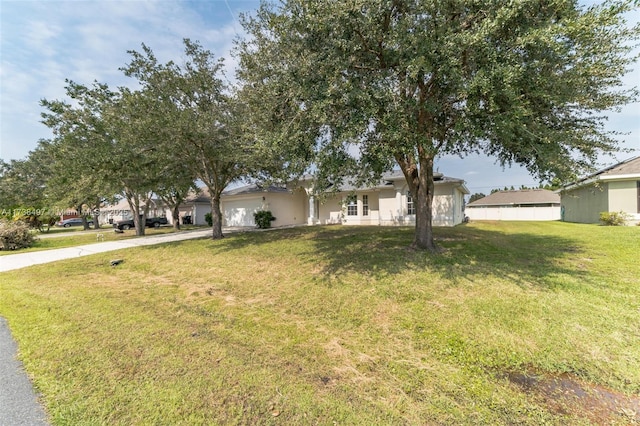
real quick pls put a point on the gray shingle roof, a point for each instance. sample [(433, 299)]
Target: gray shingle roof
[(254, 189), (385, 182), (628, 167), (520, 197), (393, 176)]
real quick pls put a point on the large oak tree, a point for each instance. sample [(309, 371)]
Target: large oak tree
[(404, 81)]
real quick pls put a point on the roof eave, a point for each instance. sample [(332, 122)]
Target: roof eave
[(631, 176)]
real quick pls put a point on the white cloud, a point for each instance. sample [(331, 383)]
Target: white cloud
[(40, 34), (46, 42)]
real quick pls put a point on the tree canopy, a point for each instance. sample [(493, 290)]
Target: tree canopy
[(367, 84), (200, 118)]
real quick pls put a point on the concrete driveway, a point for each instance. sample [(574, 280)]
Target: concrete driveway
[(22, 260)]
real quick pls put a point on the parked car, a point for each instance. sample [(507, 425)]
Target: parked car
[(152, 222), (75, 221)]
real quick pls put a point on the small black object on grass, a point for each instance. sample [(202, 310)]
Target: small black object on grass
[(116, 262), (118, 231)]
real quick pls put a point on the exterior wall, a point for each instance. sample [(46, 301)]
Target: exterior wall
[(623, 196), (288, 208), (199, 211), (514, 213), (584, 204), (330, 210), (458, 207), (388, 207), (448, 206), (333, 209), (392, 211), (373, 216)]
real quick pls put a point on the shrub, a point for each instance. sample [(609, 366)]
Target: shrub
[(263, 219), (208, 219), (15, 235), (614, 218)]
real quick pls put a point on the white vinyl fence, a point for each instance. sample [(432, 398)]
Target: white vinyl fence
[(513, 213)]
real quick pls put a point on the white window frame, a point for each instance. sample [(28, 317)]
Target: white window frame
[(411, 206), (352, 205)]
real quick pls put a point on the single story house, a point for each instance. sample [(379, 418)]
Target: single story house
[(613, 189), (526, 204), (388, 202), (111, 213), (193, 210)]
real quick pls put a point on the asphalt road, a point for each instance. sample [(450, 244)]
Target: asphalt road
[(19, 404)]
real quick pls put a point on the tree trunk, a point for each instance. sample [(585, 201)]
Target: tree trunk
[(139, 222), (175, 214), (96, 216), (216, 216), (138, 219), (424, 206), (83, 217)]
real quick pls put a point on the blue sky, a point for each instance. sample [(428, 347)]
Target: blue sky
[(45, 41)]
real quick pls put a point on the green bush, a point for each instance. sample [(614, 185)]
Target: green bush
[(614, 218), (263, 219), (15, 235), (208, 219)]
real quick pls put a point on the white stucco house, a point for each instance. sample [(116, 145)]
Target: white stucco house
[(387, 203), (613, 189), (527, 204)]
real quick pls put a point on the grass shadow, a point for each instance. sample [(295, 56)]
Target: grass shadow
[(525, 258)]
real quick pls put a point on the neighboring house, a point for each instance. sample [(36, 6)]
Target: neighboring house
[(121, 211), (194, 208), (192, 211), (614, 189), (526, 204), (386, 203)]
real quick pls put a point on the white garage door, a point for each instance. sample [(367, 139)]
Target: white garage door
[(240, 212)]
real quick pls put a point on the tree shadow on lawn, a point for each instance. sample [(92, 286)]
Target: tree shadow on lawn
[(524, 258)]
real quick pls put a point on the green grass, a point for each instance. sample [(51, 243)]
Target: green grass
[(333, 325)]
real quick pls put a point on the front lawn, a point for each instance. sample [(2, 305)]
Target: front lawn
[(340, 325)]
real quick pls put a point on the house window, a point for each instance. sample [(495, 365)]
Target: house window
[(352, 205), (365, 205), (638, 193), (411, 208)]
